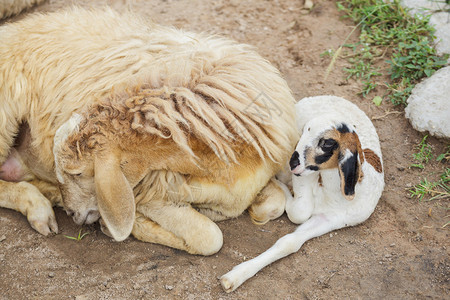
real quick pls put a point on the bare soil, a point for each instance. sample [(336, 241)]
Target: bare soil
[(401, 252)]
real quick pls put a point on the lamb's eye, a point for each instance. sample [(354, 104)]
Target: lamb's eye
[(327, 144)]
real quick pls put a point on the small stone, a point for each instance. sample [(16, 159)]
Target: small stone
[(51, 274), (2, 238), (168, 287), (392, 245), (428, 106)]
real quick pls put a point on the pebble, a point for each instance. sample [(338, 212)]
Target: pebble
[(51, 274), (2, 238), (168, 287)]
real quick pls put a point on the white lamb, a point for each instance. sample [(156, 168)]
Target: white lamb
[(338, 178)]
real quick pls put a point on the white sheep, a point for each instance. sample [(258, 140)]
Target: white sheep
[(13, 7), (337, 178), (190, 127)]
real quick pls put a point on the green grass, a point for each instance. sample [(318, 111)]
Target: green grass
[(77, 238), (390, 34), (429, 190), (424, 154)]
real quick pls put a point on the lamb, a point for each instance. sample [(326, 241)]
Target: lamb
[(337, 178), (192, 126)]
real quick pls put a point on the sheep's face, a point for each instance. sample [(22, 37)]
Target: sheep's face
[(75, 176), (325, 144), (92, 181)]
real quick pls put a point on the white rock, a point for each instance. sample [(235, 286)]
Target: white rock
[(429, 104), (440, 20)]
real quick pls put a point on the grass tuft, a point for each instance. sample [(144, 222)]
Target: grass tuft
[(424, 155), (77, 238), (388, 29)]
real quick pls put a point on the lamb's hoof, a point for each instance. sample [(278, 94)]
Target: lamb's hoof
[(227, 285), (42, 219)]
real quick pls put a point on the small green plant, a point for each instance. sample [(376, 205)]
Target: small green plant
[(79, 237), (435, 190), (444, 156), (388, 29), (424, 155)]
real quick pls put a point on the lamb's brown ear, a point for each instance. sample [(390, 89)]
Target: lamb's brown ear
[(349, 171), (115, 195)]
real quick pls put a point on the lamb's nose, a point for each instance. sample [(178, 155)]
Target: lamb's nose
[(70, 213), (294, 162)]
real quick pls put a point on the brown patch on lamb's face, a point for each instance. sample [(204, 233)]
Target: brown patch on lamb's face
[(332, 146), (338, 147)]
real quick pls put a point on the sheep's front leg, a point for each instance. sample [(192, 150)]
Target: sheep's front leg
[(146, 230), (300, 207), (27, 199), (50, 191), (317, 225), (270, 202), (177, 226)]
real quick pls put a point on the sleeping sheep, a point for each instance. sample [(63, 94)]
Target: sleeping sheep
[(171, 129), (337, 178)]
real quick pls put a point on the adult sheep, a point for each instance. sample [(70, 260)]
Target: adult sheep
[(213, 108)]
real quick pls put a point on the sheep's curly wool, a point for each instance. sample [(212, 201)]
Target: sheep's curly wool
[(215, 108)]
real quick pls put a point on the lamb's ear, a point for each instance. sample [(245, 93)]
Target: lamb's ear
[(115, 195), (349, 171)]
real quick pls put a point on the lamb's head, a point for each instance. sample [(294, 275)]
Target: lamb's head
[(91, 180), (327, 144)]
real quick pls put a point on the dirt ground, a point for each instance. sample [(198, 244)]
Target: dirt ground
[(401, 252)]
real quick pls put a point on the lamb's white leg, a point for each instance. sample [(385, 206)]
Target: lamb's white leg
[(316, 226), (300, 207)]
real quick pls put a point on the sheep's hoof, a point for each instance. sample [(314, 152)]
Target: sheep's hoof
[(42, 218), (227, 285), (259, 222)]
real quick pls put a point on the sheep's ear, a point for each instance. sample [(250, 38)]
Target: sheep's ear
[(114, 194), (349, 171), (66, 129)]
